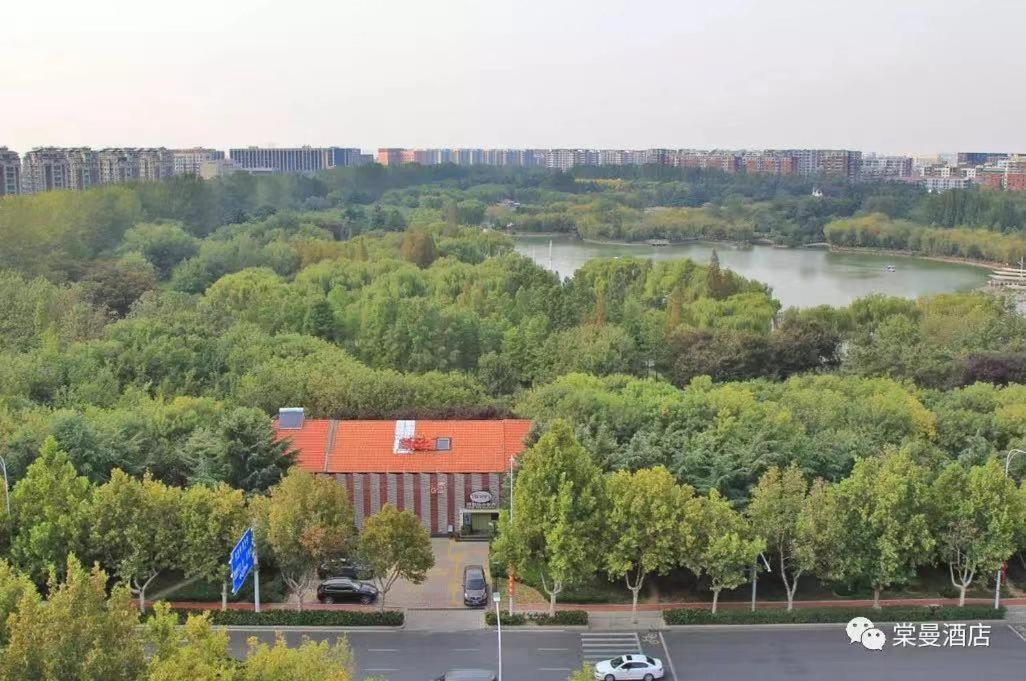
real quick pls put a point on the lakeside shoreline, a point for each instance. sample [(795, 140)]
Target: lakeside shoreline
[(983, 264)]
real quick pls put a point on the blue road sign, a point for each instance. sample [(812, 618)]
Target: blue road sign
[(241, 561)]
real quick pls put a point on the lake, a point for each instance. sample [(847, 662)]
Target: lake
[(800, 277)]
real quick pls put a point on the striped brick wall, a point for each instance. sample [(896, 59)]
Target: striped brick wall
[(435, 498)]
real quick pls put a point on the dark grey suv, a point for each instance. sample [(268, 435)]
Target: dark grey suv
[(475, 586)]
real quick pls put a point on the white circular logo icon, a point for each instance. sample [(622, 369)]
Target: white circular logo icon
[(856, 627), (481, 497)]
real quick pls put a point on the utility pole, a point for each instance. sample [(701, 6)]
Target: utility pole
[(256, 576), (7, 487), (755, 576), (497, 597), (510, 587)]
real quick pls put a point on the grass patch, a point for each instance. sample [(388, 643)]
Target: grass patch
[(561, 618), (834, 615)]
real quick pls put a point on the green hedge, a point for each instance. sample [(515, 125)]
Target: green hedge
[(561, 618), (307, 618), (834, 615)]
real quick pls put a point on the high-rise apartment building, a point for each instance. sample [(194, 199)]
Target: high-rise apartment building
[(155, 164), (118, 165), (877, 168), (190, 161), (979, 158), (769, 163), (392, 156), (45, 169), (293, 159), (83, 168), (830, 162), (10, 172)]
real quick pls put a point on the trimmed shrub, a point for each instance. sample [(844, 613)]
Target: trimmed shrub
[(307, 618), (835, 615), (561, 618), (516, 619)]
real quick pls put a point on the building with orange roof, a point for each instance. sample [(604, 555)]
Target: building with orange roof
[(449, 473)]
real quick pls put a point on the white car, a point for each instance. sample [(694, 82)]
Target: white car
[(631, 667)]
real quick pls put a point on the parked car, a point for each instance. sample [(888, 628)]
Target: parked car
[(467, 675), (343, 589), (475, 586), (640, 667), (343, 567)]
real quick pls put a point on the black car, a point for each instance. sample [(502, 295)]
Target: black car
[(475, 586), (343, 589)]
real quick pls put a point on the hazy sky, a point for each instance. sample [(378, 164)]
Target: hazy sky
[(888, 75)]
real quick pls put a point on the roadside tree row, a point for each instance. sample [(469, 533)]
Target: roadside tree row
[(141, 529), (878, 526)]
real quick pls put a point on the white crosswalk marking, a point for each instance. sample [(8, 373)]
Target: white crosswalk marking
[(606, 645)]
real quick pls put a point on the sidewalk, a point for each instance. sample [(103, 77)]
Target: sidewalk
[(642, 607)]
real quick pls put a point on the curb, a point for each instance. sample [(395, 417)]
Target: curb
[(539, 627), (794, 627), (294, 628)]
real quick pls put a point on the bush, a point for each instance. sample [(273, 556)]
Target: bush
[(561, 618), (834, 615), (307, 618), (515, 619)]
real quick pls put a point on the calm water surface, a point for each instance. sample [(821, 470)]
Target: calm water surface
[(800, 277)]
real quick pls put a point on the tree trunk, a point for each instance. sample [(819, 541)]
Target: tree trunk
[(961, 595), (716, 600), (635, 589), (876, 599), (552, 604), (141, 590), (224, 595), (790, 586)]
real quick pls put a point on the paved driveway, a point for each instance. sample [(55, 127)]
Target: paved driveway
[(444, 585)]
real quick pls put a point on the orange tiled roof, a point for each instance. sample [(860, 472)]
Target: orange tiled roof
[(367, 446)]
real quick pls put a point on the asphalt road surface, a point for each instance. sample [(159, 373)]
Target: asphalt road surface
[(770, 655), (741, 654)]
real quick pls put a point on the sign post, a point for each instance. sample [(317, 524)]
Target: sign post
[(243, 561)]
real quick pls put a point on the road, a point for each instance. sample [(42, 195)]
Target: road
[(734, 654)]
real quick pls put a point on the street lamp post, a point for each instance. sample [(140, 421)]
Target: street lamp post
[(755, 576), (1000, 570), (510, 587), (497, 598)]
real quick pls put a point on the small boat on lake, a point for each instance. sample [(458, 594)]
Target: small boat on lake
[(890, 268)]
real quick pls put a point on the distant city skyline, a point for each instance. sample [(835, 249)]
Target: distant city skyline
[(915, 77)]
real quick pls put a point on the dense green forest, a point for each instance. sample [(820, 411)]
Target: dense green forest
[(155, 329)]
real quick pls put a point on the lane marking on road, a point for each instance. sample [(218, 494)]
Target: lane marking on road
[(596, 647), (549, 650), (465, 650), (1017, 633), (669, 660)]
